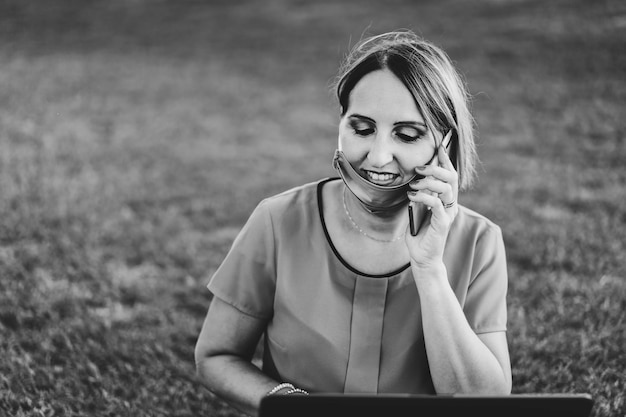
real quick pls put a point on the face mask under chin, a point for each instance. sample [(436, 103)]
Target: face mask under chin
[(374, 197)]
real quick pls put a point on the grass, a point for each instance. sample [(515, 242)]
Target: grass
[(136, 137)]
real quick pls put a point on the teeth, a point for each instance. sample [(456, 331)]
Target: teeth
[(379, 177)]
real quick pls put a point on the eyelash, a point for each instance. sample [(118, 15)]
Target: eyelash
[(408, 138), (363, 132), (403, 137)]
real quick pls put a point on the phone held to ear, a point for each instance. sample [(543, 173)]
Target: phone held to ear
[(414, 227)]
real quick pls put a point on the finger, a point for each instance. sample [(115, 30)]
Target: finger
[(446, 192), (425, 198), (441, 173), (440, 219), (431, 184), (443, 191)]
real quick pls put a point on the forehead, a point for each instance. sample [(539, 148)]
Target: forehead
[(383, 97)]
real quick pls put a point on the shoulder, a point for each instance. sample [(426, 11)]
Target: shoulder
[(303, 196), (475, 244), (469, 224), (292, 213), (279, 217), (293, 210), (468, 217)]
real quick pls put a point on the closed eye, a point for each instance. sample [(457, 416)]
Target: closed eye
[(407, 138), (363, 132), (361, 128), (409, 133)]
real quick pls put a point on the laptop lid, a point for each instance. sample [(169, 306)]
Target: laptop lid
[(404, 405)]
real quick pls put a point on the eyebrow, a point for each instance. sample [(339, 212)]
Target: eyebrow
[(405, 122)]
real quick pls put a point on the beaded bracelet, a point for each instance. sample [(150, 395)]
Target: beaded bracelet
[(296, 390), (280, 386)]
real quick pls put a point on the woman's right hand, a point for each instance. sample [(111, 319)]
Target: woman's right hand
[(438, 192)]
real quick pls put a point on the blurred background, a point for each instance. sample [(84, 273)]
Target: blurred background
[(136, 136)]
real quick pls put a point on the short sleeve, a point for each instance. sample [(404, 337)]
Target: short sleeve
[(485, 306), (246, 278)]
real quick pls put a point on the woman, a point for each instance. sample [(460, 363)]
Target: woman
[(349, 295)]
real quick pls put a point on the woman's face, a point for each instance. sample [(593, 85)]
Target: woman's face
[(382, 134)]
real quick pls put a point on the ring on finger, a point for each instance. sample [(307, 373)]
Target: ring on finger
[(449, 205)]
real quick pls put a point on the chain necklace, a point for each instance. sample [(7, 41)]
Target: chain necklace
[(356, 226)]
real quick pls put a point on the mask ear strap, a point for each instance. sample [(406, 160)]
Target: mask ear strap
[(339, 143)]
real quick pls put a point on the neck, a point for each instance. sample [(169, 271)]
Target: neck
[(384, 224)]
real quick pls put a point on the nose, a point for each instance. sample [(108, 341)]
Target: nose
[(381, 152)]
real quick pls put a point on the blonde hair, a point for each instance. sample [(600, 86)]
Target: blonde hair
[(437, 88)]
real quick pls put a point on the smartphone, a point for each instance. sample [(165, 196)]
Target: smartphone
[(446, 142)]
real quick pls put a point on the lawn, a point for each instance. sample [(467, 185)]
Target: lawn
[(137, 136)]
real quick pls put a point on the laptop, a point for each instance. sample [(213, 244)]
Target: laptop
[(404, 405)]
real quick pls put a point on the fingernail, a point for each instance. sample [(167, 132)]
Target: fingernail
[(421, 168)]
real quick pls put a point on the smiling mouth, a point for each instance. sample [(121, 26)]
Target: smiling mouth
[(381, 178)]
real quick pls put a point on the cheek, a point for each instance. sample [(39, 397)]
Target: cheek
[(354, 155), (355, 149), (418, 156), (349, 143)]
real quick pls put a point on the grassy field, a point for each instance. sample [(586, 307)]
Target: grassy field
[(137, 136)]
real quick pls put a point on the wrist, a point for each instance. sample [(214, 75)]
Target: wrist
[(432, 272), (435, 267)]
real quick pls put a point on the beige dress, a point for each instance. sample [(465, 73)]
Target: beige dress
[(332, 328)]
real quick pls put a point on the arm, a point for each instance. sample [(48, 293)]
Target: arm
[(460, 360), (223, 354)]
